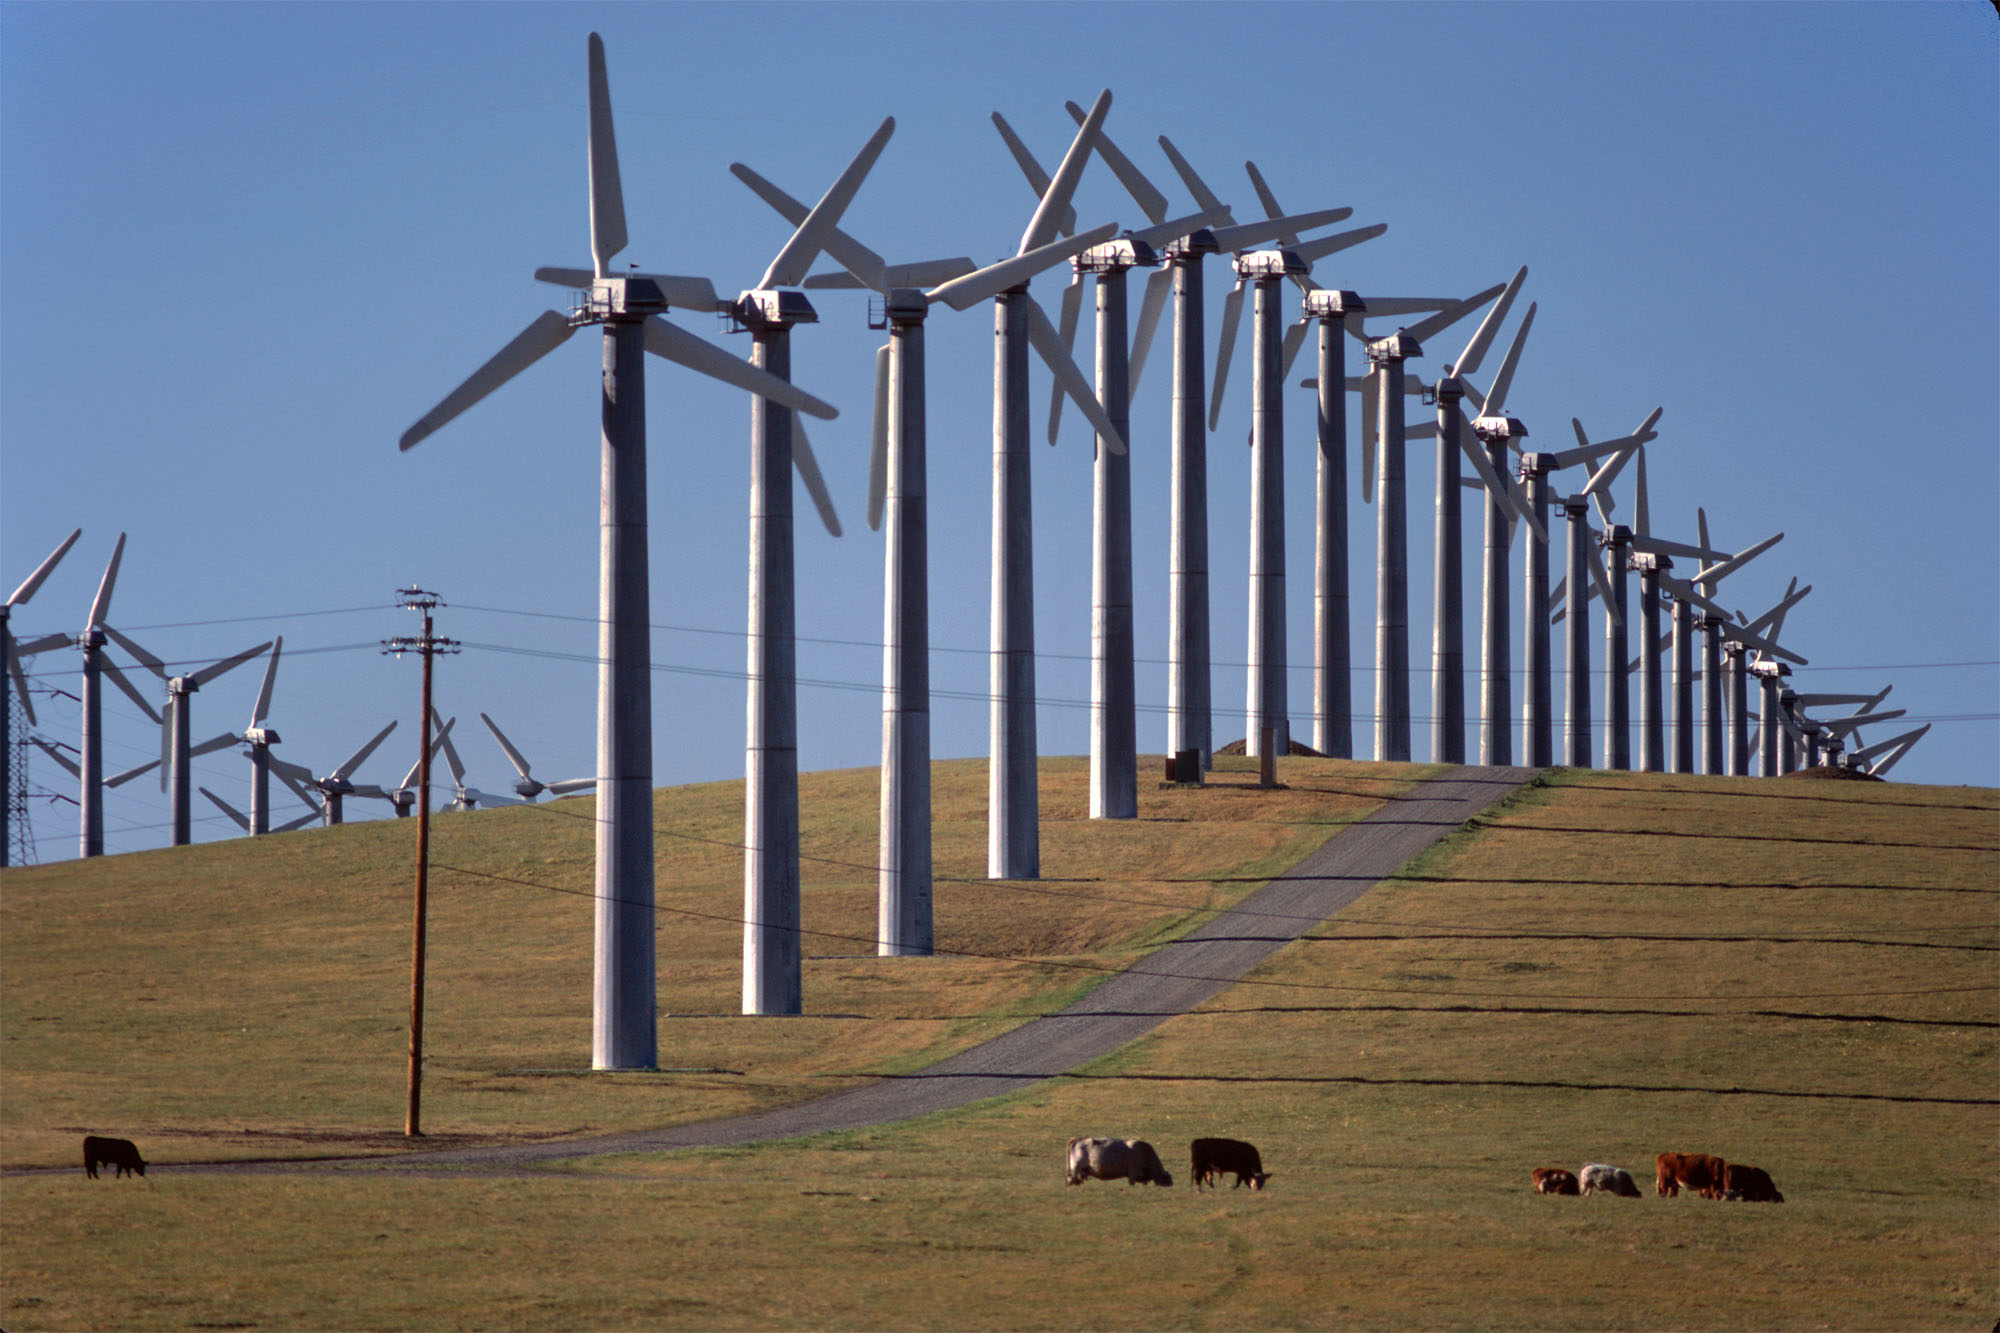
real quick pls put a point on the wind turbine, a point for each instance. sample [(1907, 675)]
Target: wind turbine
[(1712, 625), (896, 503), (1013, 828), (1584, 547), (1537, 716), (90, 770), (1769, 672), (11, 653), (529, 787), (772, 968), (336, 785), (1190, 694), (1332, 704), (1392, 592), (176, 748), (629, 307), (463, 797), (1455, 435)]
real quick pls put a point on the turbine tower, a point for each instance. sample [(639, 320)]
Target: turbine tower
[(11, 653), (96, 666), (629, 308), (176, 749)]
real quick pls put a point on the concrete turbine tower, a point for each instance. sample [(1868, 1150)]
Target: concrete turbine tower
[(629, 308), (11, 653), (96, 666), (176, 749)]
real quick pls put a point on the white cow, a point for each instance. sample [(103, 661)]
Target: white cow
[(1130, 1160), (1597, 1178)]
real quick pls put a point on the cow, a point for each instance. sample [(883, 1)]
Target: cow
[(121, 1153), (1696, 1171), (1130, 1160), (1209, 1158), (1554, 1180), (1597, 1178), (1750, 1184)]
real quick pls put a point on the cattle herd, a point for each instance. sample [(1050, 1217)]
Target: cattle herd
[(1136, 1163), (1696, 1172)]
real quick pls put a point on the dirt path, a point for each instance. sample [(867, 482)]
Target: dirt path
[(1171, 981)]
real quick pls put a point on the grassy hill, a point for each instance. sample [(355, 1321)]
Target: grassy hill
[(1798, 975)]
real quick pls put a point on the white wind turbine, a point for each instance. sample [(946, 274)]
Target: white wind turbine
[(336, 785), (1013, 830), (896, 503), (177, 749), (1714, 625), (463, 797), (1189, 681), (11, 653), (629, 307), (529, 786), (96, 665)]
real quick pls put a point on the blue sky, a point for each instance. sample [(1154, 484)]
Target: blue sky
[(243, 247)]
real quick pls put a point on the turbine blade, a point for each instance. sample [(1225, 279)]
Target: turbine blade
[(513, 755), (40, 645), (451, 754), (100, 606), (970, 290), (212, 744), (19, 677), (569, 785), (42, 571), (1295, 340), (289, 771), (1163, 233), (1056, 199), (1048, 344), (1159, 286), (673, 343), (139, 655), (1444, 319), (1642, 514), (1503, 378), (863, 264), (1072, 307), (312, 815), (1714, 574), (63, 761), (878, 452), (1151, 202), (1038, 180), (356, 759), (680, 291), (607, 199), (790, 266), (130, 773), (548, 332), (1269, 201), (1252, 234), (242, 820), (119, 678), (208, 673), (1197, 187), (810, 478), (1595, 561), (1316, 250), (1482, 338), (1225, 351), (262, 708)]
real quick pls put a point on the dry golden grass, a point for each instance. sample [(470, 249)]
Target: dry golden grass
[(1613, 966)]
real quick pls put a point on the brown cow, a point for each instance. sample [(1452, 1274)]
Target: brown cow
[(121, 1153), (1751, 1184), (1554, 1180), (1698, 1172), (1209, 1158)]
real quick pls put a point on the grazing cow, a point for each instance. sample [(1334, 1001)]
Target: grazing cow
[(121, 1153), (1597, 1178), (1209, 1158), (1751, 1184), (1554, 1180), (1129, 1160), (1696, 1171)]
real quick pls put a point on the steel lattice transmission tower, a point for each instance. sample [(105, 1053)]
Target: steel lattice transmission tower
[(20, 844)]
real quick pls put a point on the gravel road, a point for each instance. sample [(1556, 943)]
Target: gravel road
[(1170, 981)]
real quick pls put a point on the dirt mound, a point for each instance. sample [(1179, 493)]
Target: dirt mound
[(1299, 747)]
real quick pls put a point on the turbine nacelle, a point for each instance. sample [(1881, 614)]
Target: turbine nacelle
[(769, 308), (1201, 241), (621, 298), (1113, 256), (1398, 346), (1326, 303), (1504, 429), (1260, 264), (262, 736)]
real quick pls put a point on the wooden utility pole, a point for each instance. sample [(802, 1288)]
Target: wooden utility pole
[(416, 599)]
